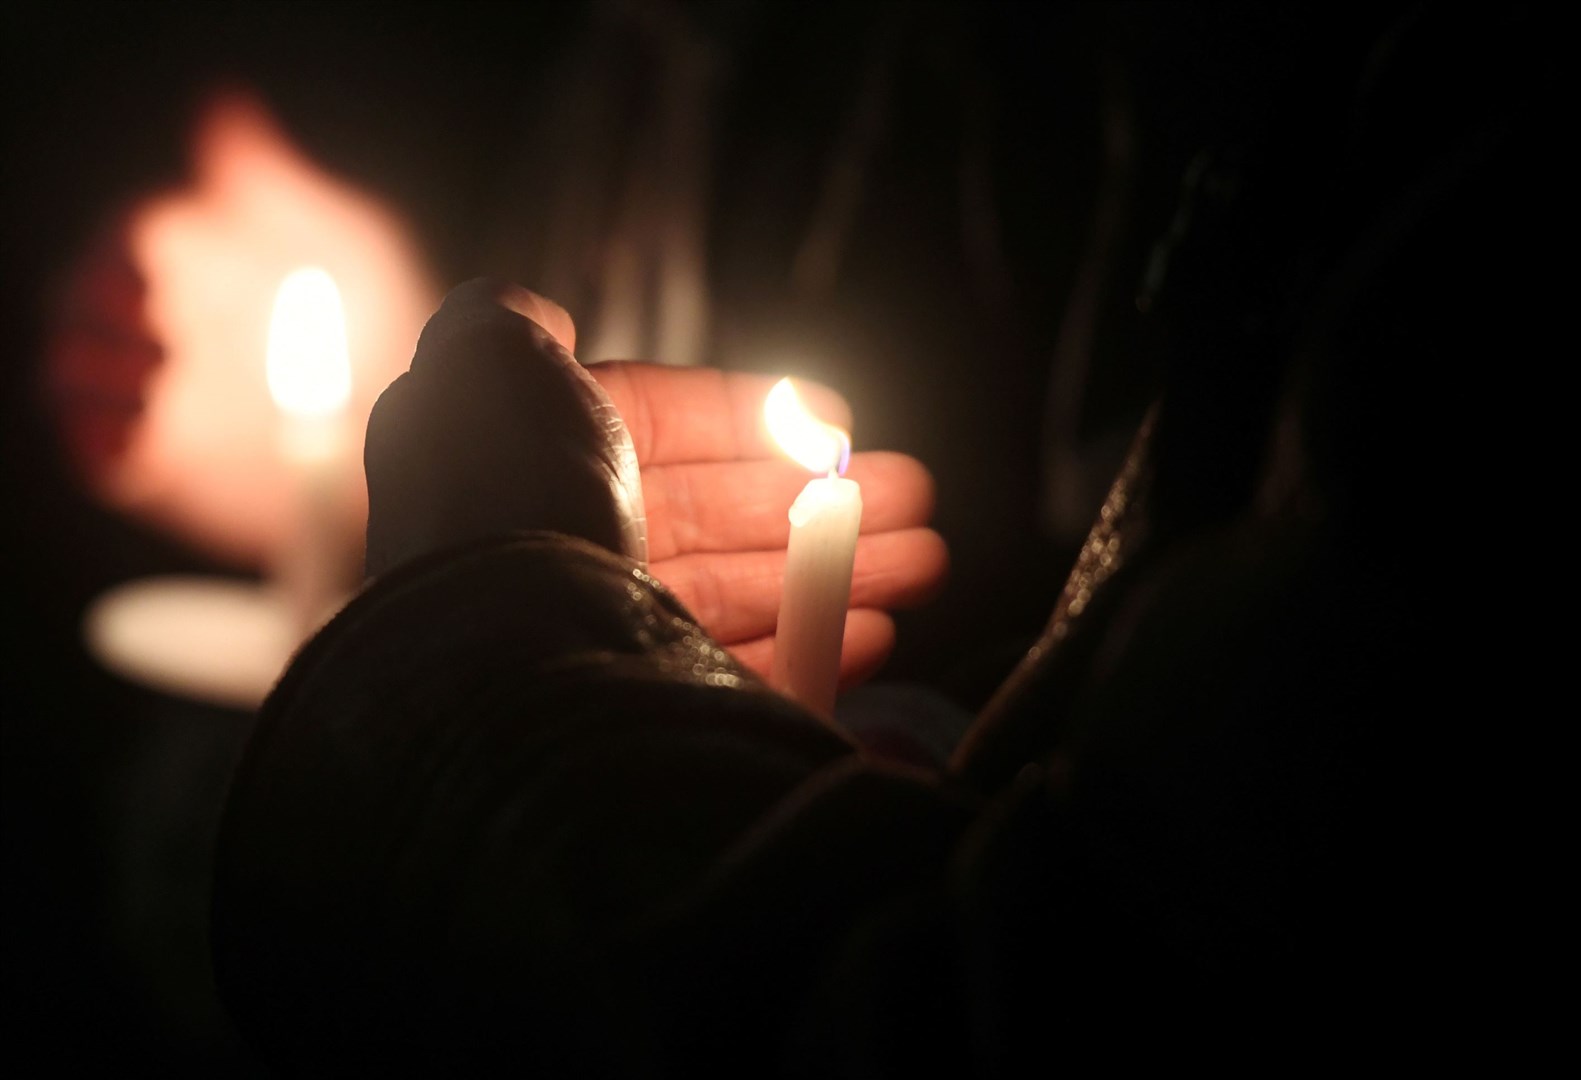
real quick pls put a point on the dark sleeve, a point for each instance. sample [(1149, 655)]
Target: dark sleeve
[(512, 801)]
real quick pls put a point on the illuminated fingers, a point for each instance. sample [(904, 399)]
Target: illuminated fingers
[(869, 639), (543, 311), (743, 506), (688, 415), (736, 596)]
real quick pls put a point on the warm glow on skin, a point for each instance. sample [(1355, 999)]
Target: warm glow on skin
[(202, 459), (806, 440), (164, 404)]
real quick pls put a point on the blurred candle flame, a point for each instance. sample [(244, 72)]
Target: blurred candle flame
[(811, 443), (308, 368)]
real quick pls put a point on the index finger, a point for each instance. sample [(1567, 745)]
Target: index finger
[(680, 416)]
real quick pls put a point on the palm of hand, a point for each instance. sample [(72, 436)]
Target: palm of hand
[(718, 494)]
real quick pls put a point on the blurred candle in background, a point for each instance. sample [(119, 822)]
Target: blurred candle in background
[(251, 397), (825, 520), (310, 381), (225, 641)]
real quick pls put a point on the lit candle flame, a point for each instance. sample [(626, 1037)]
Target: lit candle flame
[(811, 443), (309, 373)]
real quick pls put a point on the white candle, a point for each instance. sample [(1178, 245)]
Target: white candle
[(825, 520), (223, 641), (310, 381)]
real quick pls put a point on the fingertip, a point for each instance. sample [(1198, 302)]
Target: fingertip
[(543, 311), (487, 317), (925, 489), (899, 489), (901, 569), (869, 640), (935, 562)]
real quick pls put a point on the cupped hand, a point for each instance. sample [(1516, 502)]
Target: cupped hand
[(718, 496), (496, 428)]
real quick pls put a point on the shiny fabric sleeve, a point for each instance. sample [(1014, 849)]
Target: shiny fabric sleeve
[(512, 803)]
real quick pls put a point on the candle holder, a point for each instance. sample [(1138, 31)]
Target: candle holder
[(216, 641), (226, 642)]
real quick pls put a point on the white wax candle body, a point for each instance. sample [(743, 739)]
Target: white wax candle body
[(825, 520), (310, 571)]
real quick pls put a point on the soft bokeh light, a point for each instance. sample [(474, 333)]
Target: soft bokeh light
[(308, 373), (203, 460), (808, 441)]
